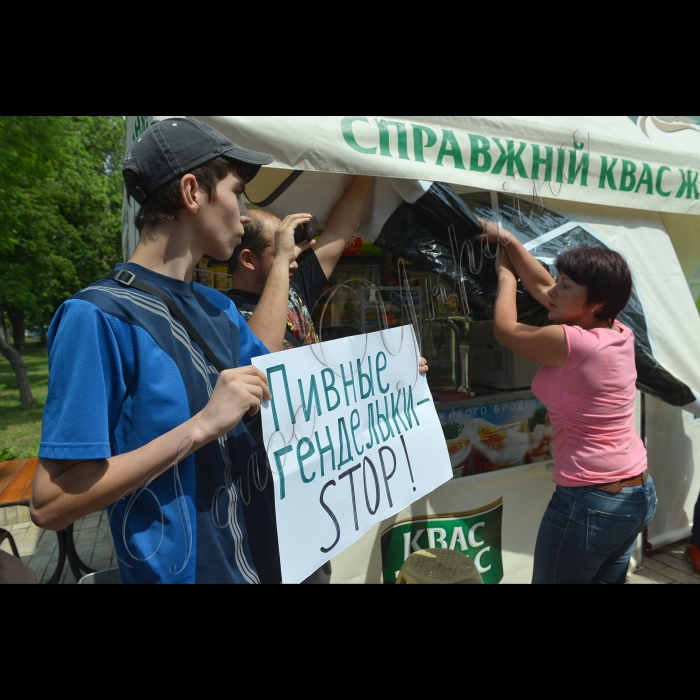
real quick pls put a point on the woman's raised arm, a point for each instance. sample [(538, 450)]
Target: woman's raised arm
[(530, 271), (544, 345)]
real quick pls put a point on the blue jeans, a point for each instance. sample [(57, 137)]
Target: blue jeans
[(588, 535)]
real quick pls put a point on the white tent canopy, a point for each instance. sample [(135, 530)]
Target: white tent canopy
[(651, 163)]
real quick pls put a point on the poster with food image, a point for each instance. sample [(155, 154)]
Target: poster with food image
[(491, 436)]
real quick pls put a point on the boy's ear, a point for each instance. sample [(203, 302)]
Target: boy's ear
[(190, 193)]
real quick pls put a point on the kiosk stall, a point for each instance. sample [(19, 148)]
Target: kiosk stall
[(629, 183)]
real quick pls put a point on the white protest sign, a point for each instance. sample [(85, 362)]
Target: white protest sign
[(352, 437)]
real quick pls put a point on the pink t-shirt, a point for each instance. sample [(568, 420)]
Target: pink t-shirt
[(591, 407)]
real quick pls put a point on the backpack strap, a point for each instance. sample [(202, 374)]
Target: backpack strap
[(129, 279)]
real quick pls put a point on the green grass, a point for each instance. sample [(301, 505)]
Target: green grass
[(20, 428)]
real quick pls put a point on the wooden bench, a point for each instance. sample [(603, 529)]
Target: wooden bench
[(16, 481)]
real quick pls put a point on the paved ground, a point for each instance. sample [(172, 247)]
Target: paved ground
[(39, 549), (666, 565)]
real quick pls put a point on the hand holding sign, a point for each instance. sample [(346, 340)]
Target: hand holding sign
[(237, 392)]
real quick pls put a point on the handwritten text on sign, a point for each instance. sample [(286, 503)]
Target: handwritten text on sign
[(352, 437)]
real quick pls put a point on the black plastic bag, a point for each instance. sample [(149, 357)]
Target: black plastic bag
[(437, 233)]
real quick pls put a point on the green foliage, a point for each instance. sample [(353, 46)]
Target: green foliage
[(60, 208), (27, 149), (20, 428), (6, 454), (537, 418)]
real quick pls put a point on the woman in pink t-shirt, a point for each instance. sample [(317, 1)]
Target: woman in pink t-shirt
[(604, 496)]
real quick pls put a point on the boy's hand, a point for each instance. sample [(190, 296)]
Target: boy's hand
[(237, 392)]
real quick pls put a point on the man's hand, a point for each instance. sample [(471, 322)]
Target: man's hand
[(237, 392), (285, 248)]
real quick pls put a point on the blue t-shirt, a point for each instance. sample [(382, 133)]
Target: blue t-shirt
[(123, 372)]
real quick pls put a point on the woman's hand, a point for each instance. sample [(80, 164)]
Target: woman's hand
[(504, 266), (493, 233), (423, 366)]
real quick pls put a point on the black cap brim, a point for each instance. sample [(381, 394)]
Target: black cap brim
[(254, 159)]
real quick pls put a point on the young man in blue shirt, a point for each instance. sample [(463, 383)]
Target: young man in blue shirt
[(137, 420)]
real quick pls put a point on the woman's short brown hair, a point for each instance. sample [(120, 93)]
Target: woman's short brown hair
[(603, 272)]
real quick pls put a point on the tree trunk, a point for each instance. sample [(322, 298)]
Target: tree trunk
[(4, 328), (15, 359), (17, 320)]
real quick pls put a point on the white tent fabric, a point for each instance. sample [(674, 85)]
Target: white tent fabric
[(651, 163)]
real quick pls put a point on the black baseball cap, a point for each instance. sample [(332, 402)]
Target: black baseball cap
[(173, 147)]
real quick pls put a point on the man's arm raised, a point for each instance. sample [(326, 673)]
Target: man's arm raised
[(342, 223), (269, 321)]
